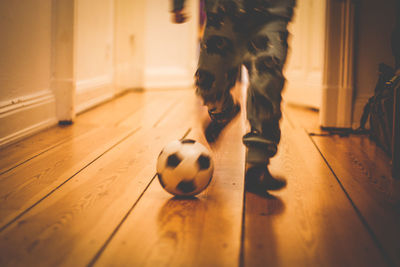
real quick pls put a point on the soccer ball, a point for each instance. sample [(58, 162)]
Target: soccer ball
[(184, 167)]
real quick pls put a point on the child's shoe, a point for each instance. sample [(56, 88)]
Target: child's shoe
[(259, 149), (259, 180), (219, 121)]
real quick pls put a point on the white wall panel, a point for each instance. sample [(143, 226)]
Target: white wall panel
[(94, 52), (26, 103)]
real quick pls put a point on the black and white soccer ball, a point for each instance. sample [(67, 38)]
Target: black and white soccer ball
[(185, 167)]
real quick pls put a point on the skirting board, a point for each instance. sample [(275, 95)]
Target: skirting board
[(303, 94), (92, 92), (303, 88), (336, 106), (168, 77), (26, 115)]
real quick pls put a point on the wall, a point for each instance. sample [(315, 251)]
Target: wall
[(170, 52), (128, 25), (62, 57), (26, 102), (374, 25), (94, 54), (131, 44), (305, 61)]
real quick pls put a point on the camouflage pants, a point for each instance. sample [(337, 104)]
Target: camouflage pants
[(260, 43)]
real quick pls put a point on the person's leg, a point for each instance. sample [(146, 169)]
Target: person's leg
[(266, 58), (267, 50), (219, 62)]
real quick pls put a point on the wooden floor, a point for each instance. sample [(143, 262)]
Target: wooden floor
[(86, 194)]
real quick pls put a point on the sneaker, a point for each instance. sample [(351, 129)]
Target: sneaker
[(219, 121), (259, 149), (259, 180)]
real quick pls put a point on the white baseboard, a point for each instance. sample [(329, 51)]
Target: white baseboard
[(91, 92), (329, 109), (124, 75), (308, 95), (303, 88), (337, 107), (168, 77), (26, 115)]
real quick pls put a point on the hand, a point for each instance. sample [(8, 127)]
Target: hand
[(178, 16)]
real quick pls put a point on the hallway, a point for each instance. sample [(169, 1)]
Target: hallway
[(86, 194)]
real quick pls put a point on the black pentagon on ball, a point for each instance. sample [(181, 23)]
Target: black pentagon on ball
[(188, 141), (173, 160), (203, 161), (186, 186)]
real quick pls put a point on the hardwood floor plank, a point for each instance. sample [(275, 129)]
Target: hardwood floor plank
[(72, 224), (113, 213), (27, 184), (128, 107), (114, 112), (364, 171), (311, 222), (205, 231), (302, 118), (26, 149), (167, 101)]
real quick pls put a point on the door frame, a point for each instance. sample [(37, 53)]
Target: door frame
[(338, 74), (63, 59)]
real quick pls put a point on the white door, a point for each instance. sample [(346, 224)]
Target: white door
[(304, 68)]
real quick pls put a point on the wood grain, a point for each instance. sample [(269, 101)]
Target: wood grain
[(90, 198), (311, 222), (364, 171), (72, 224), (112, 113), (25, 185), (26, 149), (205, 231), (302, 118)]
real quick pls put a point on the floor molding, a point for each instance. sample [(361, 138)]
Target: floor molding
[(168, 77), (91, 92), (26, 115)]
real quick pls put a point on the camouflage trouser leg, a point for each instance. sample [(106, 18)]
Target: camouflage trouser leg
[(262, 48), (219, 62), (267, 50)]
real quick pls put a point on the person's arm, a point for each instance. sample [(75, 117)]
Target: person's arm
[(178, 15), (177, 5)]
